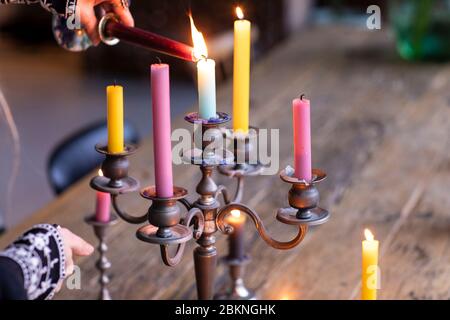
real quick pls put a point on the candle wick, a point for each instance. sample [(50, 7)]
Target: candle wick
[(204, 57), (302, 96), (115, 82), (159, 59)]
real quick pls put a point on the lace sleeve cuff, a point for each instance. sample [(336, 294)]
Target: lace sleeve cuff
[(18, 1), (64, 8), (40, 254)]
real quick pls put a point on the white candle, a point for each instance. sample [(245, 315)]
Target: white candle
[(206, 75)]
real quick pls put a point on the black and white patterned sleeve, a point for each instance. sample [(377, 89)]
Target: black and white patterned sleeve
[(40, 254), (18, 1), (63, 8)]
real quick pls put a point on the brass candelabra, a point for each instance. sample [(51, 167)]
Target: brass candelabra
[(203, 218)]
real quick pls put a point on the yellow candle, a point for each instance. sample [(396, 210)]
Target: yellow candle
[(114, 96), (241, 73), (369, 267)]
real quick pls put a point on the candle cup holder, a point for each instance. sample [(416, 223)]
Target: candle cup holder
[(237, 289), (164, 217), (115, 179), (165, 228), (194, 118), (209, 132), (303, 199), (103, 264), (243, 145), (201, 158)]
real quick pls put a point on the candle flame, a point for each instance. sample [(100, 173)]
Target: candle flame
[(100, 172), (285, 293), (368, 234), (235, 213), (200, 50), (239, 13)]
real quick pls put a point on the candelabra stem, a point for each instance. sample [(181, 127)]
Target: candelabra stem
[(205, 255), (205, 261), (102, 264)]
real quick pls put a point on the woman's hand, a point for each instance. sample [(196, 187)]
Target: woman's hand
[(90, 22), (73, 246)]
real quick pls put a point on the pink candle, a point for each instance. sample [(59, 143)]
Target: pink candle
[(161, 130), (102, 207), (302, 138)]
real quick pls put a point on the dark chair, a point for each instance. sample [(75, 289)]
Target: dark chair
[(75, 157)]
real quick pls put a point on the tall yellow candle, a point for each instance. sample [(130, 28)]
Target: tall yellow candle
[(114, 96), (370, 276), (241, 72)]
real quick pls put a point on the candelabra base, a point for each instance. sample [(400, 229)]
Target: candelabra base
[(237, 289), (239, 292)]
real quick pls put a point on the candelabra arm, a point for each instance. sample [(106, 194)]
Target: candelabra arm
[(125, 216), (225, 228), (185, 203), (194, 216), (167, 259), (239, 189), (222, 190)]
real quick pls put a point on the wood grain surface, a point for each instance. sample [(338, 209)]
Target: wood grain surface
[(381, 130)]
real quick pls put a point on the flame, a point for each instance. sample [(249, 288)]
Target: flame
[(285, 293), (239, 13), (368, 234), (235, 213), (200, 50), (100, 172)]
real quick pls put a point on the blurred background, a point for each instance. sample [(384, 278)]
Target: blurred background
[(57, 96)]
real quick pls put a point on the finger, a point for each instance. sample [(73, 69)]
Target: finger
[(78, 246), (89, 22), (122, 13)]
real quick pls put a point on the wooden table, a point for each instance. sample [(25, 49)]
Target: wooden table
[(381, 130)]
